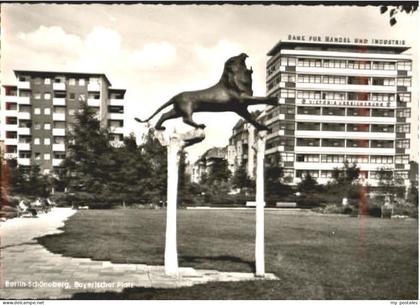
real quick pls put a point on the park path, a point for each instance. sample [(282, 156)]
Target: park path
[(30, 271)]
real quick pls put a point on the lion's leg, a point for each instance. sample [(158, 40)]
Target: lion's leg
[(187, 119), (171, 114), (248, 117), (255, 100)]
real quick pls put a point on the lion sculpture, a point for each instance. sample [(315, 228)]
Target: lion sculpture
[(232, 93)]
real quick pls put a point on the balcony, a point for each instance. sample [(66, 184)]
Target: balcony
[(117, 130), (116, 116), (24, 100), (94, 102), (59, 86), (59, 147), (59, 132), (59, 116), (24, 146), (59, 101), (24, 161), (94, 87), (9, 156), (24, 115), (116, 102), (24, 131), (11, 113), (24, 85), (10, 127), (10, 98), (11, 141), (56, 162)]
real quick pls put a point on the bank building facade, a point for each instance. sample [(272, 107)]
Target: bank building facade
[(339, 101)]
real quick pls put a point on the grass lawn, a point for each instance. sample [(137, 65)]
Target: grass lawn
[(315, 257)]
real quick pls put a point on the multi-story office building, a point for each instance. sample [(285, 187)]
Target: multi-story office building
[(339, 101), (40, 109)]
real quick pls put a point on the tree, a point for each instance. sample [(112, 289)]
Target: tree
[(28, 181), (389, 183), (155, 180), (308, 184), (394, 10), (347, 174), (240, 178), (89, 164), (273, 174), (218, 171)]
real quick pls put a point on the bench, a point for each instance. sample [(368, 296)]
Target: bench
[(286, 205)]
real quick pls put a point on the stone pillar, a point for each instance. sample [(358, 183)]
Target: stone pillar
[(171, 254), (260, 202), (174, 143)]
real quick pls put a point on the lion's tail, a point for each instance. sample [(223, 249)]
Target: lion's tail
[(170, 102)]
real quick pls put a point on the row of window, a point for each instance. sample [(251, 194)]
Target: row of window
[(353, 96), (364, 143), (39, 156), (60, 79), (358, 96), (330, 174), (339, 80), (37, 141), (375, 159), (342, 64), (351, 127), (339, 111)]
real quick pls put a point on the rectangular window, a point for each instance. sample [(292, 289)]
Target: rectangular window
[(403, 143), (47, 111), (404, 159), (404, 65), (47, 96), (72, 111), (37, 141), (381, 159), (47, 141), (404, 113), (332, 158), (72, 81), (47, 156), (82, 82), (404, 82), (37, 95), (47, 126), (47, 81), (37, 110), (37, 156), (357, 159), (37, 126), (403, 128)]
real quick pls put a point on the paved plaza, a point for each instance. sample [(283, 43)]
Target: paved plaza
[(29, 271)]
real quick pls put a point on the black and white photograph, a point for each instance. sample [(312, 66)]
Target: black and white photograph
[(209, 151)]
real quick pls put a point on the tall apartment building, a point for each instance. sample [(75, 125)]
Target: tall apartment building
[(39, 111), (347, 100)]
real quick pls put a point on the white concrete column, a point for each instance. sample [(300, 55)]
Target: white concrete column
[(260, 202), (174, 143), (171, 253)]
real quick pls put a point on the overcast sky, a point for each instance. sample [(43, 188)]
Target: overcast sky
[(157, 51)]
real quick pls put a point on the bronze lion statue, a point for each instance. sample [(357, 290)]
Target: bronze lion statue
[(233, 92)]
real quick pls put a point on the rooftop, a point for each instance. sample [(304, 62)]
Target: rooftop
[(325, 46), (56, 73)]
